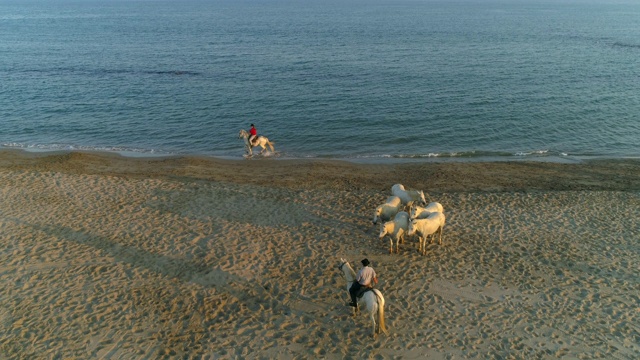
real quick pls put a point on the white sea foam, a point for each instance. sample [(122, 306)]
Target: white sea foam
[(133, 152)]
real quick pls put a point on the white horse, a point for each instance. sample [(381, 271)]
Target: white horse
[(428, 226), (408, 196), (261, 141), (373, 299)]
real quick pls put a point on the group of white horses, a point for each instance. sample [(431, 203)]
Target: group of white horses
[(404, 212)]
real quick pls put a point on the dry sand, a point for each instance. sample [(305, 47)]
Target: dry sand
[(104, 257)]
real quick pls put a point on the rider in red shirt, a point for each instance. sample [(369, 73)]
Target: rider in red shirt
[(254, 134)]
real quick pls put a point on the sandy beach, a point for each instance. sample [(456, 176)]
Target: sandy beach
[(107, 257)]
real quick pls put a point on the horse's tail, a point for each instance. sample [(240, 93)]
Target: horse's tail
[(442, 228), (381, 324), (271, 145)]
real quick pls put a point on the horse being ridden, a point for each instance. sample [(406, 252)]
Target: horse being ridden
[(372, 300), (261, 141)]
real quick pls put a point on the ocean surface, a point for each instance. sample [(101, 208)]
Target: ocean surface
[(357, 80)]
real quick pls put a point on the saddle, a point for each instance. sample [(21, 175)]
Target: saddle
[(363, 290)]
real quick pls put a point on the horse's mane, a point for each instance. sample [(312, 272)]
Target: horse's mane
[(351, 272)]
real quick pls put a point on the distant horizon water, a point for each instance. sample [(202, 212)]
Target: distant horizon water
[(386, 80)]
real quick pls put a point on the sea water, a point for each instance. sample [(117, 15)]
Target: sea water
[(361, 80)]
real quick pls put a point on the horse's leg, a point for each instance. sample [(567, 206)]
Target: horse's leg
[(424, 248), (423, 241), (391, 243)]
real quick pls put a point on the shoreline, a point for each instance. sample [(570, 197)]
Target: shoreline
[(604, 174), (117, 258), (535, 156)]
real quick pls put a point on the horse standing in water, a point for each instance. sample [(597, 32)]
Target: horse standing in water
[(261, 141), (373, 300)]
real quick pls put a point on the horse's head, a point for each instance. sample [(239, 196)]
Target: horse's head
[(422, 198), (342, 264), (384, 228), (412, 212), (377, 214), (415, 210), (242, 134), (347, 269), (412, 228)]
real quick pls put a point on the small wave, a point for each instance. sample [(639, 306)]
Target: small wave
[(113, 71), (425, 156), (528, 153), (417, 156), (172, 72), (147, 72), (461, 155), (68, 147), (626, 45)]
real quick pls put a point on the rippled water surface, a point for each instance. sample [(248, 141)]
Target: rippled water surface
[(368, 80)]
